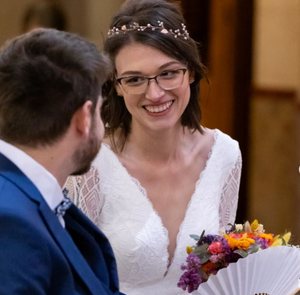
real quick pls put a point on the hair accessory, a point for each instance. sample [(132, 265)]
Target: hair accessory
[(136, 27)]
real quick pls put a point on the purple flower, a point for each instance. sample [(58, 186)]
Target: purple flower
[(262, 242), (207, 239), (190, 280), (226, 249), (193, 261)]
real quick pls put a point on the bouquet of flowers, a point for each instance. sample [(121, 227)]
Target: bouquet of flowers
[(214, 252)]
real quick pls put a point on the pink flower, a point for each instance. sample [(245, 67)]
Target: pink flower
[(221, 256), (215, 248), (214, 258)]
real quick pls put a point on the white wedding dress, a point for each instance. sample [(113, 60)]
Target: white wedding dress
[(119, 206)]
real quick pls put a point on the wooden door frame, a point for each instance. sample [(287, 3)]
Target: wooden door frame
[(229, 34)]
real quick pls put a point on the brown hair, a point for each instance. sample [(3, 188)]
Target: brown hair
[(114, 112), (45, 77)]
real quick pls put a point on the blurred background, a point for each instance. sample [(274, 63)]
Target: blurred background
[(252, 52)]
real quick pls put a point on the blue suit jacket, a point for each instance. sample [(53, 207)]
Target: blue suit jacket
[(39, 256)]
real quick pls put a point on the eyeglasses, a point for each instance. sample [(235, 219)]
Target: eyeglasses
[(167, 80)]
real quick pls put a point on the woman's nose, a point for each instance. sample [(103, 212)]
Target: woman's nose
[(154, 91)]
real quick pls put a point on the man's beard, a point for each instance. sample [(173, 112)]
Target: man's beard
[(84, 156)]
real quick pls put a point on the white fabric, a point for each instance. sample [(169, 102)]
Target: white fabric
[(45, 182), (119, 206)]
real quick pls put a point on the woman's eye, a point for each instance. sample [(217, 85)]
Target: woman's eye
[(169, 74), (133, 80)]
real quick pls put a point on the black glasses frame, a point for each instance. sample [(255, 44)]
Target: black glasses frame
[(119, 80)]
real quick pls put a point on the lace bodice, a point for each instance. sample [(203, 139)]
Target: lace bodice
[(119, 206)]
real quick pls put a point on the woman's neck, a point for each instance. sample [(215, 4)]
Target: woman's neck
[(157, 146)]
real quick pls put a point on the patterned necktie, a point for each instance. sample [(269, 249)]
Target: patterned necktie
[(61, 209)]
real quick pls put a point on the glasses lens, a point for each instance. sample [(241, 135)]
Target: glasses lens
[(134, 85), (171, 79)]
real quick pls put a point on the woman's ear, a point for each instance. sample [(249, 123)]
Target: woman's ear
[(119, 89), (191, 77)]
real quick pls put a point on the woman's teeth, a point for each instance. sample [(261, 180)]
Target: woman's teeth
[(160, 108)]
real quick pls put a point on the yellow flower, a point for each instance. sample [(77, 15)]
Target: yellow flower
[(244, 243), (279, 242), (287, 237), (189, 249), (254, 225)]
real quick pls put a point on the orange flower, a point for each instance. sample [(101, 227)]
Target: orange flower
[(268, 237), (251, 235), (231, 242), (244, 243), (208, 266)]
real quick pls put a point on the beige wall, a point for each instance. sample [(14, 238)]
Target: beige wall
[(89, 18), (11, 12), (99, 17), (277, 44)]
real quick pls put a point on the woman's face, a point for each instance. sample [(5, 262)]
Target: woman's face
[(156, 108)]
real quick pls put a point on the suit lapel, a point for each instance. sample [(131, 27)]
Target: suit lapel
[(13, 174), (71, 251), (101, 242)]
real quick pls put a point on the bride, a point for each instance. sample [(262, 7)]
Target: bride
[(160, 176)]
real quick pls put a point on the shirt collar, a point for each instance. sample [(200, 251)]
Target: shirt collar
[(45, 182)]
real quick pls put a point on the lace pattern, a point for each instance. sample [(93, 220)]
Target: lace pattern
[(119, 206)]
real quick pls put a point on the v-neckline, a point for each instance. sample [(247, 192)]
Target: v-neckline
[(143, 191)]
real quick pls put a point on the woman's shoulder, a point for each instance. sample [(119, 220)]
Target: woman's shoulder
[(225, 139), (224, 144), (228, 146)]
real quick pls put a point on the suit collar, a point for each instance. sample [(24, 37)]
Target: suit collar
[(43, 180), (12, 173)]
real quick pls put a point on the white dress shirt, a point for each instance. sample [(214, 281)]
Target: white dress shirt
[(45, 182)]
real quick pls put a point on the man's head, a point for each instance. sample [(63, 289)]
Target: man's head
[(47, 77)]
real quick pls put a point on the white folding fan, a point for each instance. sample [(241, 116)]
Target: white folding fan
[(274, 271)]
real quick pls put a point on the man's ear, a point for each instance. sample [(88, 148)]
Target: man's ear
[(82, 119)]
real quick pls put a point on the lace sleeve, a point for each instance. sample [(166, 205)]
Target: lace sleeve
[(230, 194), (84, 191)]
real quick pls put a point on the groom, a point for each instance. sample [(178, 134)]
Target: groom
[(50, 127)]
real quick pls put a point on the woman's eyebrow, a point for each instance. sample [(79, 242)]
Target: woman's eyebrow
[(169, 64), (163, 66)]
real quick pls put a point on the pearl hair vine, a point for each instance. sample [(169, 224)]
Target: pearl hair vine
[(183, 33)]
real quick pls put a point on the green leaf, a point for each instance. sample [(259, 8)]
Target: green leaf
[(195, 237), (254, 248), (241, 253), (283, 242), (201, 252), (204, 257)]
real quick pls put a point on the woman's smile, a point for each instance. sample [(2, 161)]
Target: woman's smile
[(158, 108)]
